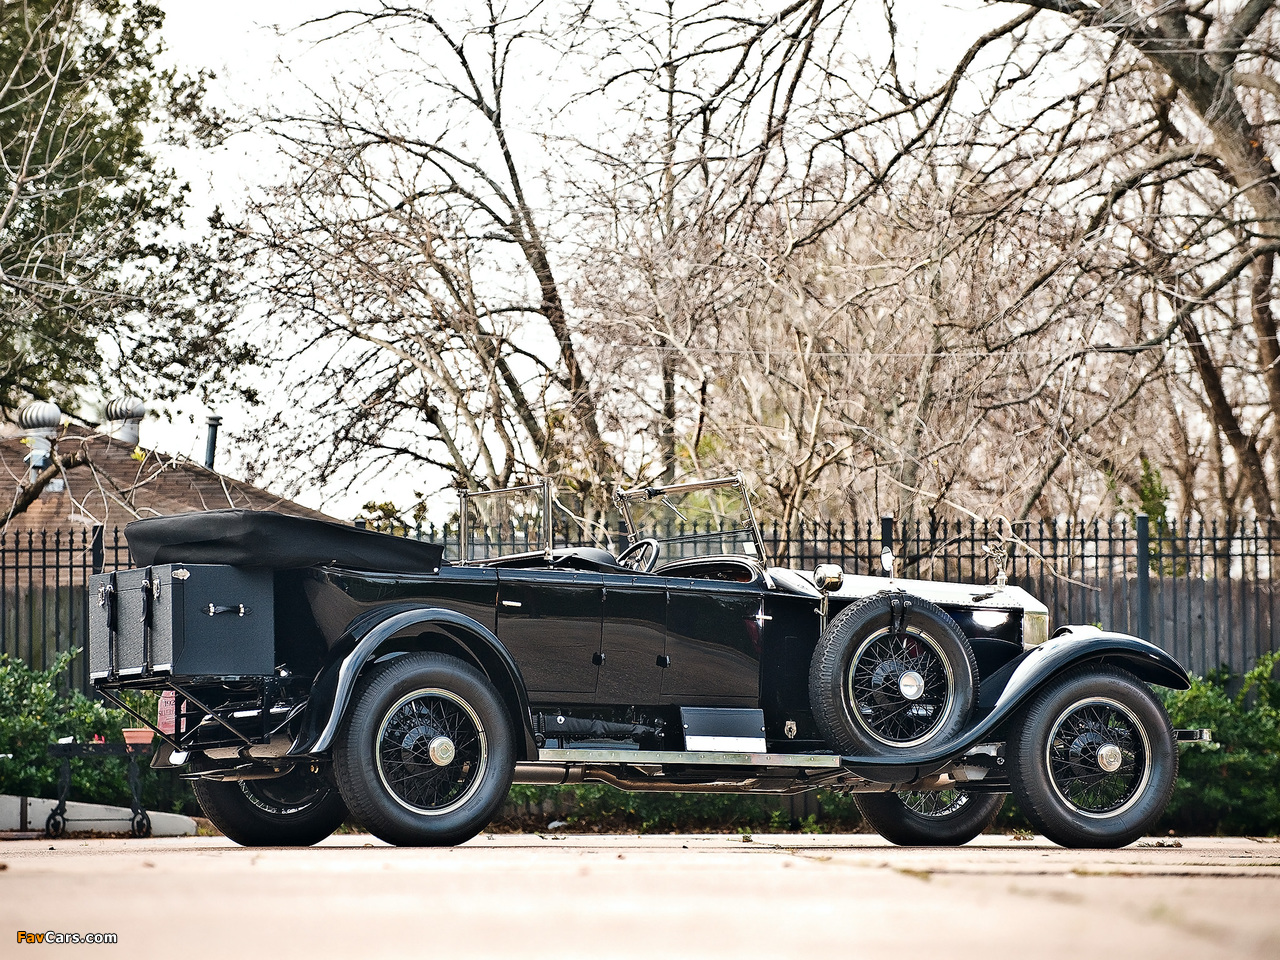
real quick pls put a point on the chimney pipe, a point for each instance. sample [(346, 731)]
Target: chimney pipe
[(211, 445)]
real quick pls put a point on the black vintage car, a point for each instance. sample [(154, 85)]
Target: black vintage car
[(309, 670)]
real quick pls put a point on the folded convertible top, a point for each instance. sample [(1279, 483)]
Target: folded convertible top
[(261, 538)]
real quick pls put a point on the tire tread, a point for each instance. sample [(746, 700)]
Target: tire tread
[(237, 819), (897, 823), (1037, 805)]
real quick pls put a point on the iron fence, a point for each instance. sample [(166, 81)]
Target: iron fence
[(44, 599), (1201, 591)]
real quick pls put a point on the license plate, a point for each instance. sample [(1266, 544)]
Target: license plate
[(166, 713)]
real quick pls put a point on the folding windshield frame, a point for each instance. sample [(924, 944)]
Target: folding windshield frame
[(464, 522), (626, 498)]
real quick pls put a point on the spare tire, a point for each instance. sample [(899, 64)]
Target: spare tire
[(892, 673)]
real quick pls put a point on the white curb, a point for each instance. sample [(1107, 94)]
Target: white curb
[(94, 817)]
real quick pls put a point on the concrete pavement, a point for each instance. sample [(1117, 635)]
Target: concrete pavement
[(559, 896)]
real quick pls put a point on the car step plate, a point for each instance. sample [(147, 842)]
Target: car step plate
[(799, 760)]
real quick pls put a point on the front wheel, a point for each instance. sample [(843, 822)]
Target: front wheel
[(943, 818), (1093, 761), (296, 810), (426, 755)]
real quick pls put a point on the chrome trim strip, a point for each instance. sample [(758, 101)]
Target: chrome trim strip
[(698, 744), (799, 760)]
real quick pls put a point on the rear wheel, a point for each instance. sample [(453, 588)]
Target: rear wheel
[(296, 810), (892, 673), (943, 818), (1093, 761), (426, 754)]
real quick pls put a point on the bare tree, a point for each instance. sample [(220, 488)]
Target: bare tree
[(1167, 145), (410, 251), (1007, 289)]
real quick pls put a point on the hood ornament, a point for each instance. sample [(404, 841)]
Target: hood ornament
[(999, 552)]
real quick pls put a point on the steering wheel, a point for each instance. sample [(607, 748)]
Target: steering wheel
[(641, 556)]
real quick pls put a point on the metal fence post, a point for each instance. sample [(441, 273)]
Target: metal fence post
[(886, 535), (97, 553), (1144, 577)]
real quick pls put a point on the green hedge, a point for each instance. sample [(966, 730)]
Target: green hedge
[(1231, 786), (605, 809)]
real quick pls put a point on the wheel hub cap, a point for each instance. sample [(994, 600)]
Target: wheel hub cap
[(1110, 757), (911, 684), (441, 751)]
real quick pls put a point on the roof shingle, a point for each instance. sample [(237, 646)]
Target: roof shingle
[(122, 483)]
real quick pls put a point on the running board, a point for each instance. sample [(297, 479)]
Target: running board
[(799, 761)]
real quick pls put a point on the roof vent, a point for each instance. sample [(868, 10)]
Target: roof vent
[(125, 415), (39, 420)]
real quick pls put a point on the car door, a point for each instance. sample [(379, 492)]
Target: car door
[(550, 622), (712, 643), (634, 640)]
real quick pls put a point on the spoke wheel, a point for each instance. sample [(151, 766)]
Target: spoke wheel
[(425, 754), (936, 803), (282, 796), (891, 673), (296, 810), (900, 686), (1092, 758), (1097, 757), (432, 751), (943, 818)]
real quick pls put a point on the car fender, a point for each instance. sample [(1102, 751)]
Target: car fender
[(1010, 687), (1074, 645), (372, 634)]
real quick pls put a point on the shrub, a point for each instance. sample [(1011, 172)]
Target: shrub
[(593, 806), (1231, 786), (37, 710)]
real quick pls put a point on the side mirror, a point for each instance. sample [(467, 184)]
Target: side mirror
[(828, 576), (886, 560)]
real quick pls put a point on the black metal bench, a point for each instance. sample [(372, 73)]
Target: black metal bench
[(140, 824)]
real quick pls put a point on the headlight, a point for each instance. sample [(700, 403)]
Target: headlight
[(828, 577), (1035, 629)]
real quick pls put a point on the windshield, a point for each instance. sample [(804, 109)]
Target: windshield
[(500, 523), (700, 519), (517, 520)]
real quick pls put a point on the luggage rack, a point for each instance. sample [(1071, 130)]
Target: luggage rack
[(140, 824)]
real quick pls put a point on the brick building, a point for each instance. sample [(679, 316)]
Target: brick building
[(120, 481)]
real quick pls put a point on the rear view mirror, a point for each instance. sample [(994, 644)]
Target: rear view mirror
[(886, 560)]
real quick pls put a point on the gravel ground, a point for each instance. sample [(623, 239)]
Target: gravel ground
[(549, 895)]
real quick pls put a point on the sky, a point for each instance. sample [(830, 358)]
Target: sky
[(241, 43), (259, 60)]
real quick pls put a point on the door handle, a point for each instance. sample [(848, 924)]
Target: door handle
[(512, 603)]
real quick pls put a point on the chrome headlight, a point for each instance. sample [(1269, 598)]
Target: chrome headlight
[(827, 577), (1035, 629)]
